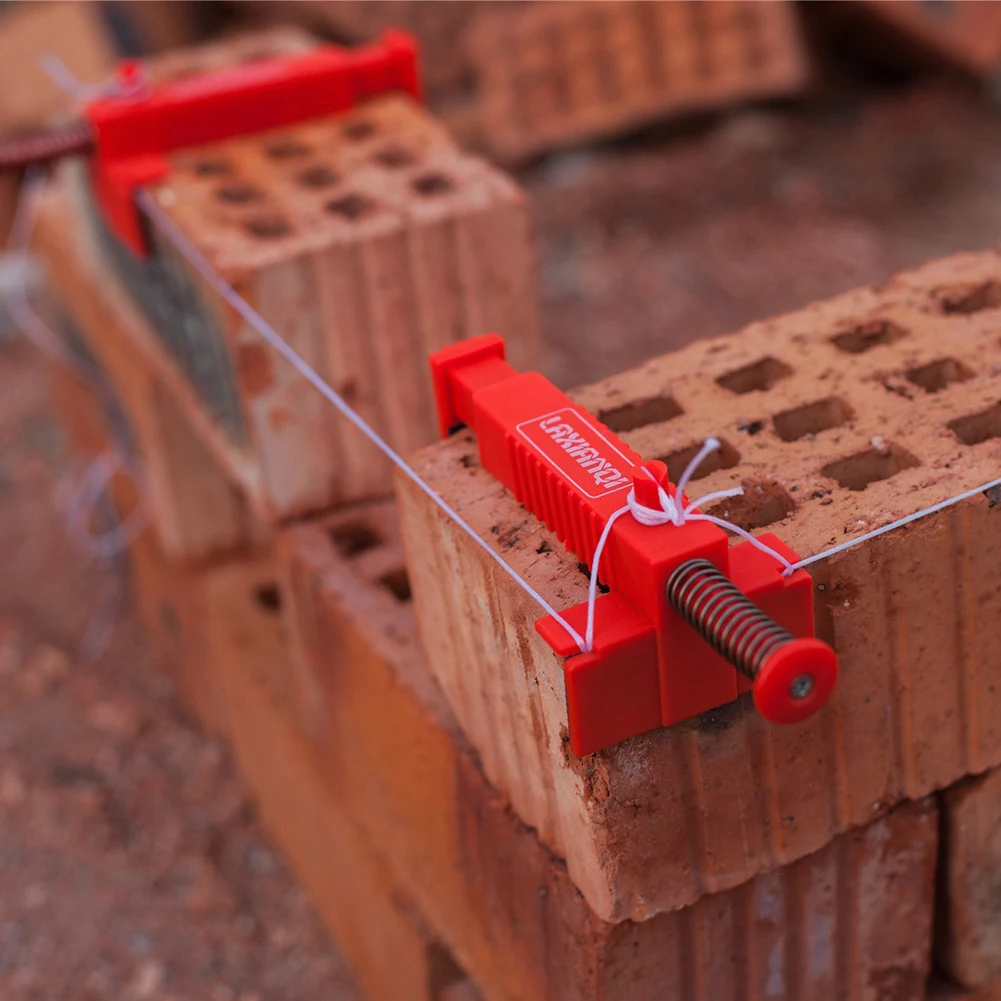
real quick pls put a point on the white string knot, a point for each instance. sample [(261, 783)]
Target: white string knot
[(672, 511), (128, 84)]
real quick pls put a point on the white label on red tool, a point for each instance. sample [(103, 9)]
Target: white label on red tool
[(578, 450)]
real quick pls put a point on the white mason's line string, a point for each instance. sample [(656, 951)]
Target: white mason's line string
[(83, 93), (899, 523), (671, 511), (82, 496), (201, 264)]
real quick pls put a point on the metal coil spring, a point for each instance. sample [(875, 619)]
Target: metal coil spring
[(17, 152), (724, 616)]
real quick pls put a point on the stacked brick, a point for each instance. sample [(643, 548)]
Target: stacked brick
[(402, 726), (554, 74), (523, 78)]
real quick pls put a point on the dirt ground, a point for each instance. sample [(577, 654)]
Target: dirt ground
[(131, 864)]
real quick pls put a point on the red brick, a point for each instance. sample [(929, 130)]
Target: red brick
[(852, 920), (552, 74), (220, 634), (913, 615), (367, 240), (970, 900)]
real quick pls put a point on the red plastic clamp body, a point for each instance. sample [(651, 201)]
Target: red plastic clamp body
[(135, 133), (648, 667)]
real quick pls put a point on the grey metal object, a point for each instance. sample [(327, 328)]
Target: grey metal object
[(181, 319)]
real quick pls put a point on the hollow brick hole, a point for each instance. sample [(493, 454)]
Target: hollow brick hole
[(237, 194), (430, 185), (811, 418), (640, 413), (760, 376), (351, 207), (969, 298), (354, 537), (976, 428), (359, 130), (762, 503), (725, 457), (868, 335), (211, 168), (857, 471), (267, 227), (397, 583), (937, 375), (287, 149), (394, 157), (318, 177), (268, 597), (446, 978)]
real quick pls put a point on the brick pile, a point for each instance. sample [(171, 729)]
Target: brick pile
[(519, 79), (401, 724)]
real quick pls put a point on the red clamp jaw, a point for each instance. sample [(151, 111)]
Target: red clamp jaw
[(684, 608), (135, 131)]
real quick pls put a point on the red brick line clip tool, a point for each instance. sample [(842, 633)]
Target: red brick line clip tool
[(129, 133), (689, 621)]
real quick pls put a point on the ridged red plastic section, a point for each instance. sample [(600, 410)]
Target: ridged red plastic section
[(561, 507)]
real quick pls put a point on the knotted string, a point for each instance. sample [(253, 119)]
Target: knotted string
[(123, 85), (83, 498), (671, 512)]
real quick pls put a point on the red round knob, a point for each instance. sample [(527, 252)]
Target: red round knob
[(795, 681)]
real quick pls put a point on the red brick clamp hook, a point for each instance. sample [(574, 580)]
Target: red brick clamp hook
[(130, 132), (689, 621)]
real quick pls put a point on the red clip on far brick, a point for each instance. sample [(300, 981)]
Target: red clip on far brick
[(685, 608), (137, 129)]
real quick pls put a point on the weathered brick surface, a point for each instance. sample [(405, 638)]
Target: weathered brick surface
[(557, 73), (367, 240), (897, 382), (850, 921), (199, 499), (969, 940), (239, 651)]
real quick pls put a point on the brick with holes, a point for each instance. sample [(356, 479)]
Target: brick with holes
[(394, 755), (552, 74), (136, 400), (228, 651), (969, 943), (367, 239), (837, 420)]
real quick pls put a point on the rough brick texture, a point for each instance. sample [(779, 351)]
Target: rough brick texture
[(851, 921), (226, 643), (837, 419), (368, 240), (200, 505), (557, 73), (964, 32), (969, 940)]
